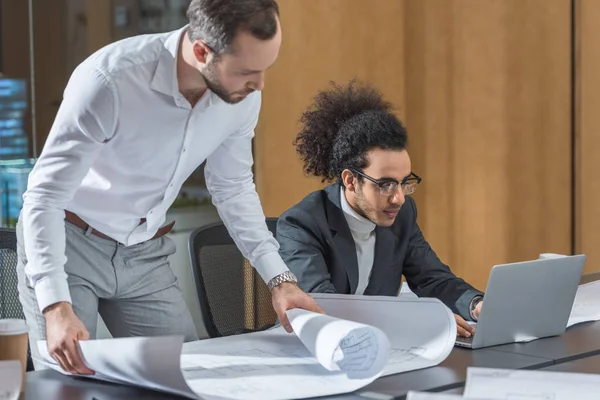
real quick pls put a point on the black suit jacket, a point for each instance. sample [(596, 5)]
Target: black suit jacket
[(317, 246)]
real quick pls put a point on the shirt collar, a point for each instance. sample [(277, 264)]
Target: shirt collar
[(356, 222), (165, 75)]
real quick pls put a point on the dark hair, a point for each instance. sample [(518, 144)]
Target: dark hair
[(342, 125), (217, 22)]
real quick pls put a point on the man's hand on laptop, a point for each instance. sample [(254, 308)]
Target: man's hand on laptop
[(462, 327), (287, 296), (63, 330)]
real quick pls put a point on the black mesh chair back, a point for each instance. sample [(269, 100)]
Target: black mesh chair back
[(233, 297), (10, 306)]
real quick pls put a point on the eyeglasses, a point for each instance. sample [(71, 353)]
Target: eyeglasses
[(387, 187)]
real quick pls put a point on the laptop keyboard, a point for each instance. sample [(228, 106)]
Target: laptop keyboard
[(465, 340)]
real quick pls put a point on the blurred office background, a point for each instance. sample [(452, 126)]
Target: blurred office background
[(500, 99)]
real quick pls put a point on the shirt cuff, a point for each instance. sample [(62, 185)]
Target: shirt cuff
[(50, 291), (269, 265), (462, 305), (473, 304)]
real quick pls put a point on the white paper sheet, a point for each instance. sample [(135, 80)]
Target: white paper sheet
[(499, 384), (265, 365), (422, 332), (545, 256), (433, 396), (153, 363), (328, 354), (11, 375), (586, 306)]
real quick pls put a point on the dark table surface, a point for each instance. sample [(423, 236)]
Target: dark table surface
[(579, 341), (588, 365), (51, 385)]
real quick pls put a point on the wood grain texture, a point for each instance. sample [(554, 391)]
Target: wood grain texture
[(51, 72), (484, 90), (587, 118), (488, 113), (323, 41)]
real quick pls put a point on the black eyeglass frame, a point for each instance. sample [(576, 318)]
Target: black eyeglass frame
[(410, 178)]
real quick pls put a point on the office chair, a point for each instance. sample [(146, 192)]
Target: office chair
[(10, 306), (233, 297)]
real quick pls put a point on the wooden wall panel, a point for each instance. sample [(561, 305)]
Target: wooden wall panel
[(50, 65), (322, 41), (99, 24), (15, 39), (77, 23), (484, 89), (49, 36), (587, 100), (15, 45), (488, 115)]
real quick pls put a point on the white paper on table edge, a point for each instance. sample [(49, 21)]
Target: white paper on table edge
[(49, 362), (413, 395)]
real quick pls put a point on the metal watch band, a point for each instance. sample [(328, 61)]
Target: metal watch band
[(476, 300), (287, 276)]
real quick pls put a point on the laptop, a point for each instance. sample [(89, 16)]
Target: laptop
[(526, 301)]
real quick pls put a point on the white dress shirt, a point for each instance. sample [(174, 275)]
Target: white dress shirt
[(363, 233), (123, 143)]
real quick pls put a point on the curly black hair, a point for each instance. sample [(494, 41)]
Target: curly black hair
[(342, 125)]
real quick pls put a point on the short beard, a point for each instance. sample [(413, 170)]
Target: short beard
[(213, 83)]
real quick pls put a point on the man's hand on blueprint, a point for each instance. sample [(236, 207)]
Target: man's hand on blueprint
[(63, 330), (287, 296)]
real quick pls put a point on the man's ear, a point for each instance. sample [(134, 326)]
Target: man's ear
[(349, 180), (201, 51)]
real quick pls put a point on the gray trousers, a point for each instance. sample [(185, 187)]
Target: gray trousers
[(133, 288)]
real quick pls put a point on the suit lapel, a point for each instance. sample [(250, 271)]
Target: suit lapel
[(342, 237), (383, 260)]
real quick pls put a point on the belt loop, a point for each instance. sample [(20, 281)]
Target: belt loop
[(88, 231)]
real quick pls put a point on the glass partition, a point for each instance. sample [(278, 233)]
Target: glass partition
[(41, 43)]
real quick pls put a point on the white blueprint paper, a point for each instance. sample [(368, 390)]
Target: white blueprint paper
[(360, 338), (586, 306), (276, 365), (499, 384), (434, 396), (150, 362), (268, 365), (422, 332)]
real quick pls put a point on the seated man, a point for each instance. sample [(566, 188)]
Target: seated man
[(360, 235)]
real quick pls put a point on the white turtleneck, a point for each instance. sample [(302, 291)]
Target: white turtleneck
[(363, 233)]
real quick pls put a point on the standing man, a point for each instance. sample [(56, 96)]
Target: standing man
[(137, 118)]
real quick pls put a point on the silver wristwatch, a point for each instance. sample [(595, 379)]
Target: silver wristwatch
[(473, 305), (287, 276)]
